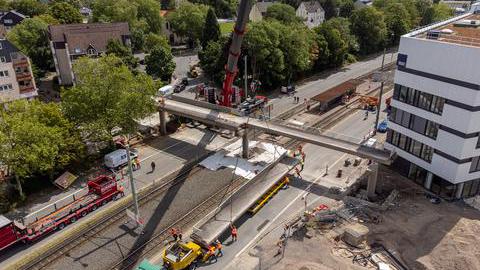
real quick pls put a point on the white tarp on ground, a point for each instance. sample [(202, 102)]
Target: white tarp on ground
[(262, 155)]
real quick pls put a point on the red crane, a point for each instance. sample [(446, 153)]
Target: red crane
[(234, 51)]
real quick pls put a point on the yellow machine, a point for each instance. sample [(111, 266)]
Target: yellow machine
[(182, 256)]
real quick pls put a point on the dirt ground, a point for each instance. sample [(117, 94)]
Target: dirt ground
[(421, 234)]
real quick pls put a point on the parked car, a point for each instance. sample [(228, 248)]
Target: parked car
[(165, 91), (179, 88), (383, 126), (287, 89)]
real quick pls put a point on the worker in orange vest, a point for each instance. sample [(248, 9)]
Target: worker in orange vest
[(211, 253), (219, 248), (234, 232), (287, 182)]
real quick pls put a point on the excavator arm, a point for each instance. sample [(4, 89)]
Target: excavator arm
[(231, 69)]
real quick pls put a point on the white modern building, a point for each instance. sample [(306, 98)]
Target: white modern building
[(435, 118)]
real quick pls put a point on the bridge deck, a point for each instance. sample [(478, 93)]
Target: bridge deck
[(234, 122)]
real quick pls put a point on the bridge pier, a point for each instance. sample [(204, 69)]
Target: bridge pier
[(372, 180), (245, 144), (163, 122)]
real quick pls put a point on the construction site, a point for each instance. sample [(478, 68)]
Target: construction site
[(244, 182)]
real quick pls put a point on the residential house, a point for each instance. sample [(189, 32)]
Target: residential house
[(359, 4), (435, 116), (8, 20), (167, 30), (16, 77), (70, 41), (259, 10), (311, 12)]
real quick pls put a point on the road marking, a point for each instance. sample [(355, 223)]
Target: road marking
[(160, 151), (305, 191)]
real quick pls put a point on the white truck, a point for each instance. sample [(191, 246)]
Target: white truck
[(118, 158)]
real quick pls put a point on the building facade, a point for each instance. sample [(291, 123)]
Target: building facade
[(258, 11), (435, 117), (8, 20), (16, 77), (312, 13), (70, 41)]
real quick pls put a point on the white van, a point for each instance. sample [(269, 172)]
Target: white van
[(165, 91), (118, 158)]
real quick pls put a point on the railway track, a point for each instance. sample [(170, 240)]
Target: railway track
[(91, 231)]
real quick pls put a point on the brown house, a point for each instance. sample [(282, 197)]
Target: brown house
[(70, 41)]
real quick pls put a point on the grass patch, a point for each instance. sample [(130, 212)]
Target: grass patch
[(226, 27)]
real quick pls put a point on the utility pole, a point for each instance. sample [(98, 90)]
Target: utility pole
[(245, 77), (380, 94), (132, 183)]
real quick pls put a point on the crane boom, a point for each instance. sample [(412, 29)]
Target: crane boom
[(234, 51)]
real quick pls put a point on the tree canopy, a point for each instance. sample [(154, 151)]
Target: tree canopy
[(31, 37), (115, 47), (189, 20), (330, 8), (107, 95), (154, 40), (369, 26), (29, 7), (65, 13), (211, 30), (396, 19), (282, 12), (159, 63), (35, 138)]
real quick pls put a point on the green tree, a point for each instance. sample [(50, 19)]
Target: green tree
[(396, 19), (211, 30), (337, 47), (29, 7), (48, 19), (35, 138), (115, 47), (441, 12), (31, 37), (369, 26), (149, 10), (159, 63), (294, 3), (343, 27), (138, 39), (107, 95), (213, 58), (323, 54), (4, 5), (330, 8), (65, 13), (346, 9), (189, 20), (282, 12), (153, 40)]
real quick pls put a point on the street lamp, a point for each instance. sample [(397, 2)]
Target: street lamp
[(380, 94)]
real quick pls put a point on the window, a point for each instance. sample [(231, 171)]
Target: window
[(478, 141), (415, 123), (475, 167), (1, 46), (7, 21), (3, 59), (6, 87), (91, 51), (4, 73), (419, 99), (410, 145)]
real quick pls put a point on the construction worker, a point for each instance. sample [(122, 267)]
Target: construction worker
[(287, 182), (173, 232), (234, 232), (211, 253), (179, 233), (218, 244), (137, 163), (302, 164), (297, 171), (153, 166)]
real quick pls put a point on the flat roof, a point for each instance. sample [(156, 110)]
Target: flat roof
[(462, 30), (337, 91), (4, 221)]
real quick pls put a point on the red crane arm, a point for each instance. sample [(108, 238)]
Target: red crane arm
[(234, 52)]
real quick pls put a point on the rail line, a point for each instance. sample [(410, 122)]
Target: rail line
[(89, 232)]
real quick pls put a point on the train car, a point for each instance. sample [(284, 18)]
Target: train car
[(101, 190)]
